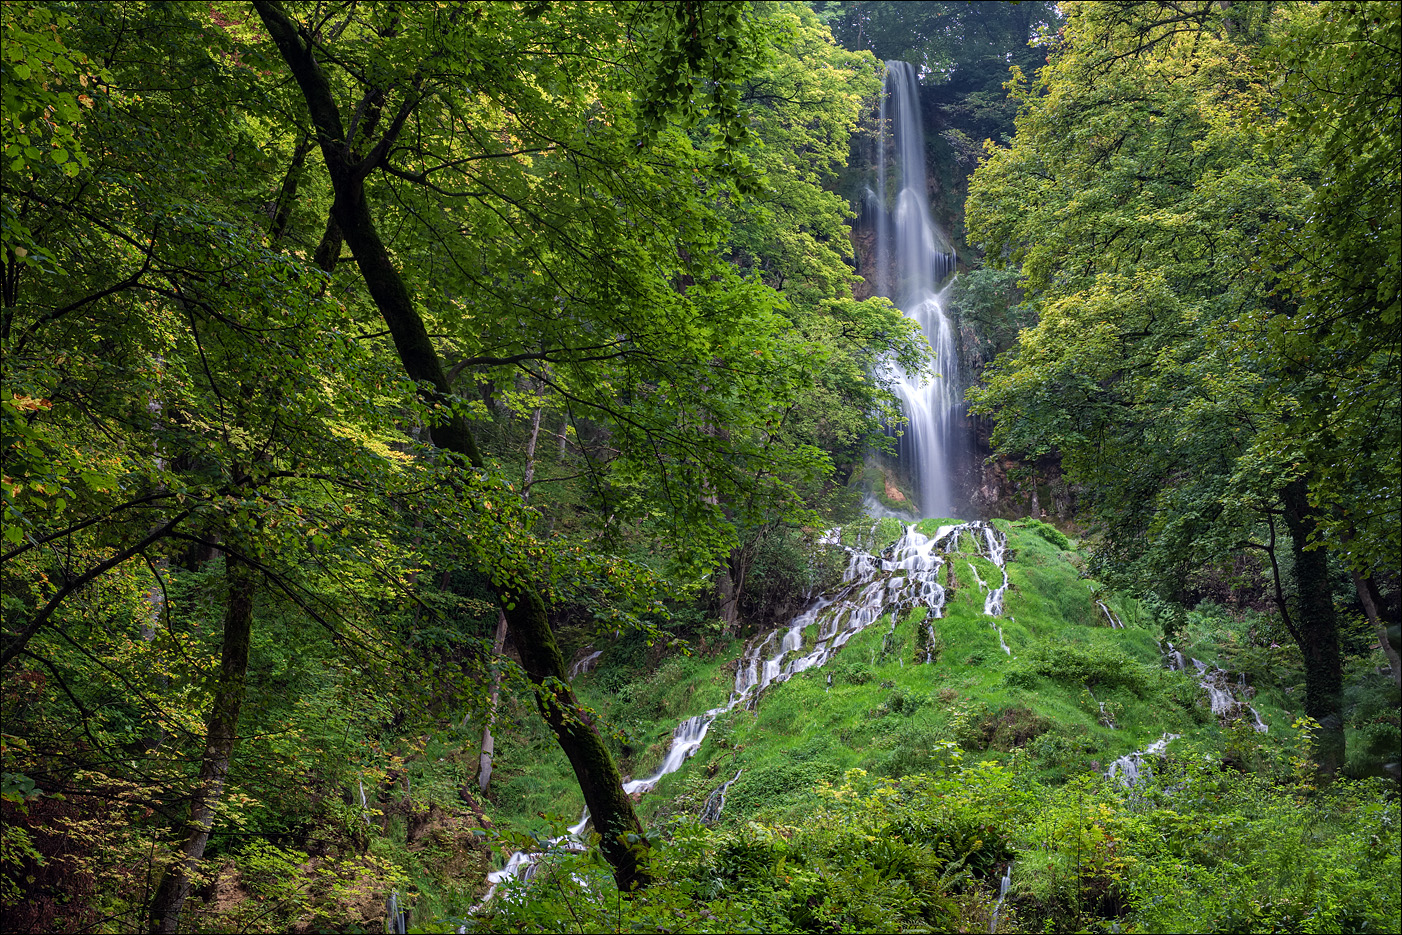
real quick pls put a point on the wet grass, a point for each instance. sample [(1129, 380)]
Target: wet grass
[(879, 707)]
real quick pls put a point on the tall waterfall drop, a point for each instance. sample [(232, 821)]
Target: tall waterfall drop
[(912, 258)]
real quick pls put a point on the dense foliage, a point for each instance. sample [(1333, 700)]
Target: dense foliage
[(279, 285), (367, 363), (1218, 379)]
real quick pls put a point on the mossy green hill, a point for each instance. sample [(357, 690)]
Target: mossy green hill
[(997, 755)]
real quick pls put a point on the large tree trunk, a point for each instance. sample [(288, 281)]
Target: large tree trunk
[(598, 776), (1318, 628), (240, 580)]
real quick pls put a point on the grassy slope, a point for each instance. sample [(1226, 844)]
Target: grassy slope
[(1009, 751), (885, 711)]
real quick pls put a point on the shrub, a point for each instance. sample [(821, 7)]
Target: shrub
[(1012, 727), (1047, 532), (851, 672), (774, 786), (1071, 664)]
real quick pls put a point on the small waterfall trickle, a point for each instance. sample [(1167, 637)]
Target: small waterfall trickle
[(1003, 886), (913, 257), (1228, 699), (710, 814), (585, 664)]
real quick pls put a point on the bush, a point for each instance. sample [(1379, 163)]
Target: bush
[(851, 672), (1010, 728), (911, 751), (925, 853), (1071, 664), (774, 786), (1047, 532)]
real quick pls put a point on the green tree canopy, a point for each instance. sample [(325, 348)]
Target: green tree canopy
[(1153, 197)]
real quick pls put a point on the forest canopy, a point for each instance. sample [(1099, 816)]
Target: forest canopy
[(1216, 353), (371, 369)]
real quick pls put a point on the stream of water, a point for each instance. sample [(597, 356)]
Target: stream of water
[(894, 580), (1229, 701)]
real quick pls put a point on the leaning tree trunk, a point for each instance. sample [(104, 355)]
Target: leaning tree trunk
[(1372, 606), (1318, 628), (619, 829), (598, 775), (240, 580)]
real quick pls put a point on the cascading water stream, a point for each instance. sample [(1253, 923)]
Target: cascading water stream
[(912, 258), (1228, 699), (895, 581), (585, 664), (710, 814), (1003, 886)]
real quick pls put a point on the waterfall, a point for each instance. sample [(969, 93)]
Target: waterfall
[(912, 258), (1229, 701), (894, 580)]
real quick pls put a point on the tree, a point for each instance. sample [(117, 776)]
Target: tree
[(1340, 65), (592, 202), (1145, 196), (216, 465)]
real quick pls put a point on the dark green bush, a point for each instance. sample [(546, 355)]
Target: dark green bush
[(1047, 532), (775, 786)]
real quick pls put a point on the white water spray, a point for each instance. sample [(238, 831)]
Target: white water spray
[(912, 258)]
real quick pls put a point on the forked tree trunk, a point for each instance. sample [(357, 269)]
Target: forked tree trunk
[(240, 580), (598, 775)]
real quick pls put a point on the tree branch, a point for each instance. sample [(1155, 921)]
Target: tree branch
[(42, 617)]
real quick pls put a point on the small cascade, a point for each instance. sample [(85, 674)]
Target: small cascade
[(1115, 622), (522, 865), (1229, 702), (585, 664), (710, 814), (1131, 767), (1106, 718), (686, 740), (1003, 886), (894, 580), (1228, 698)]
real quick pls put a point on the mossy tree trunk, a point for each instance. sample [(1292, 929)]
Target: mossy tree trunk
[(1317, 628), (598, 775)]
